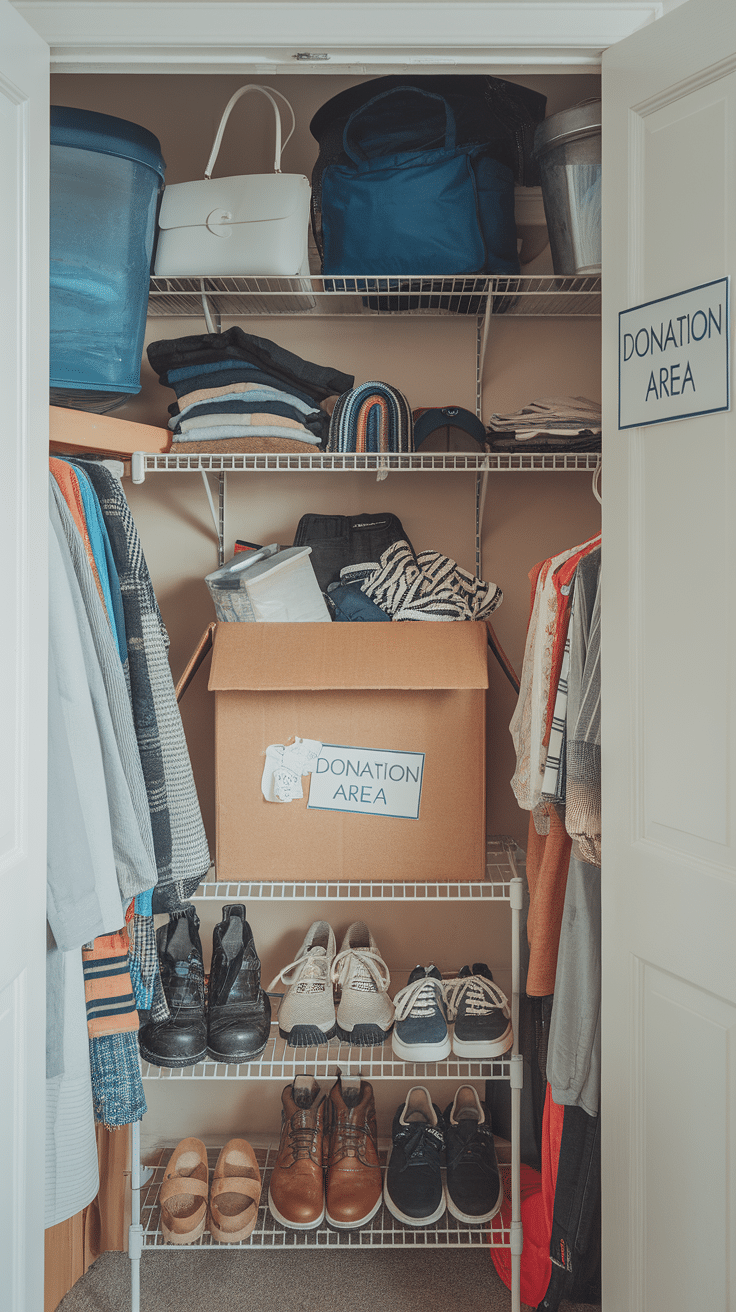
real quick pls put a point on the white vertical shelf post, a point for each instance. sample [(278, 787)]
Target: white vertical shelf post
[(517, 1080), (482, 333), (135, 1230), (222, 488)]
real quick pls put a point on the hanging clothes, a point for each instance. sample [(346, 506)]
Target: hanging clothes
[(534, 710), (68, 483), (574, 1048), (107, 643), (547, 862), (182, 854), (83, 901), (125, 788), (102, 552), (583, 786), (556, 730), (539, 730), (129, 824), (574, 1057)]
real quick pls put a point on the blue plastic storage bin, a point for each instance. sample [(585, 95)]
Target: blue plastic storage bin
[(106, 180)]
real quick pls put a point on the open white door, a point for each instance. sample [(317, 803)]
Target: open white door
[(24, 153), (669, 695)]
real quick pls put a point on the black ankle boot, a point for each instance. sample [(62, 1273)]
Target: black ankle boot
[(182, 1039), (238, 1011)]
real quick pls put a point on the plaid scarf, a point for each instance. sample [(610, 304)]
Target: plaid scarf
[(112, 1024)]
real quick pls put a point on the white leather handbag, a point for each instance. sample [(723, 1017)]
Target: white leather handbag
[(251, 224)]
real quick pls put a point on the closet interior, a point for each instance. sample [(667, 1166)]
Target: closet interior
[(493, 517)]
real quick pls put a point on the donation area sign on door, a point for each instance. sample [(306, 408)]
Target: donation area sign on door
[(673, 356)]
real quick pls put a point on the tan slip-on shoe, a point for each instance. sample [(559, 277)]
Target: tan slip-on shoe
[(235, 1193), (183, 1194)]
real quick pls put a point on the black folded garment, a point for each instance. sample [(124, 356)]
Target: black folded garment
[(318, 381), (340, 540), (545, 444)]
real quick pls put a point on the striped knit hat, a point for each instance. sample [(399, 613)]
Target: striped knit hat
[(372, 418)]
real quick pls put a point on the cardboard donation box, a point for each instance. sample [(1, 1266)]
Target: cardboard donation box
[(389, 722)]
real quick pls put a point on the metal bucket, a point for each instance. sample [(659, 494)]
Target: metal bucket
[(568, 147)]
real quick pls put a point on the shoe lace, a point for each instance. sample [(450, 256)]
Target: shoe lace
[(352, 1137), (361, 968), (418, 998), (483, 996), (308, 974), (302, 1136), (472, 1150), (417, 1146)]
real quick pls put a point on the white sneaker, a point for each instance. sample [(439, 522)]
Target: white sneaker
[(365, 1013), (307, 1011)]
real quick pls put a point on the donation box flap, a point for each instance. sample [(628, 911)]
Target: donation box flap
[(318, 657)]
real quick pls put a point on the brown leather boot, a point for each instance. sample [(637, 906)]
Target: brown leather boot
[(351, 1141), (296, 1196)]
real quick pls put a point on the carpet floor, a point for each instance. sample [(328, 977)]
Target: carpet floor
[(296, 1281)]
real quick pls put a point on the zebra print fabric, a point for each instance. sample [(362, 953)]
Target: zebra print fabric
[(428, 586)]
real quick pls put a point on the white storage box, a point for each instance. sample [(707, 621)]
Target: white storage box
[(273, 585)]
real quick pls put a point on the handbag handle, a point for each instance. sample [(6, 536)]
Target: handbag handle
[(266, 91), (358, 155)]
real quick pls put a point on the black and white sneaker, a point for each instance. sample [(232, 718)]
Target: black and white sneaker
[(473, 1185), (481, 1012), (412, 1187), (420, 1032)]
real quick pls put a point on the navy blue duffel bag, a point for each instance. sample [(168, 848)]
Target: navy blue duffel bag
[(407, 198)]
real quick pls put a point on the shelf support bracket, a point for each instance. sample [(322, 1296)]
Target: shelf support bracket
[(482, 334), (481, 488), (217, 512)]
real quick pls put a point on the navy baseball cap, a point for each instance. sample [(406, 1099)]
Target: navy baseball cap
[(450, 428)]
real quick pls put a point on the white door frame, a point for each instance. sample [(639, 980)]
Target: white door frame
[(266, 36), (668, 1123), (24, 153)]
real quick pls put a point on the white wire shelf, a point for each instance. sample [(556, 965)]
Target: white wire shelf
[(280, 1062), (490, 463), (382, 1232), (357, 296), (496, 887)]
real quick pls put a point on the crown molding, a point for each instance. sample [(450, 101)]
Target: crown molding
[(240, 36)]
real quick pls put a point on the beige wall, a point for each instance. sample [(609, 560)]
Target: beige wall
[(527, 516)]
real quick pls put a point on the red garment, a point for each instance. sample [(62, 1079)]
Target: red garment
[(535, 1261), (537, 1209)]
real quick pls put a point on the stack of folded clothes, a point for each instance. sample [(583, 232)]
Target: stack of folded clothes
[(239, 393), (565, 423)]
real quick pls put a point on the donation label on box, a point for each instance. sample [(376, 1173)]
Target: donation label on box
[(367, 780)]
